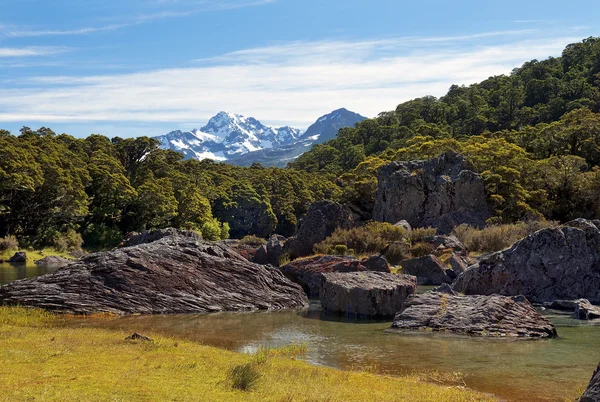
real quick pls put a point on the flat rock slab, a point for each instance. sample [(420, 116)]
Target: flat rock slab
[(483, 316), (175, 274), (366, 294)]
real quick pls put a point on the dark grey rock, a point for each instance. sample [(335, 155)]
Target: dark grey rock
[(493, 316), (445, 288), (53, 261), (552, 264), (176, 274), (271, 252), (20, 257), (366, 294), (261, 256), (458, 263), (154, 235), (429, 270), (376, 263), (582, 309), (592, 393), (442, 193)]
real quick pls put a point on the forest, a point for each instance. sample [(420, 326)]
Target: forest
[(533, 135)]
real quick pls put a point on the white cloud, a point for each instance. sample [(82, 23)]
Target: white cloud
[(285, 83), (31, 51)]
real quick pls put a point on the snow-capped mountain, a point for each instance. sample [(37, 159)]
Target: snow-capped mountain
[(241, 140)]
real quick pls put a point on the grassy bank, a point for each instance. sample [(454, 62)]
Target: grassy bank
[(39, 360), (34, 255)]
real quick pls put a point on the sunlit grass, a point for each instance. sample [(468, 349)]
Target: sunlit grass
[(34, 255), (39, 360)]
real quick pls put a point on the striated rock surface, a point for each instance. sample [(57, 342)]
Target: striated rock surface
[(459, 263), (494, 316), (308, 272), (592, 393), (321, 220), (552, 264), (429, 270), (176, 274), (367, 294), (154, 235), (53, 261), (442, 193)]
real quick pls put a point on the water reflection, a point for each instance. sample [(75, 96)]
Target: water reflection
[(12, 272)]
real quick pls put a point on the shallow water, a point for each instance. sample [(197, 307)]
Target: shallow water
[(521, 370)]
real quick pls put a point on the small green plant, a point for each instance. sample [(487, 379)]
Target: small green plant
[(340, 249), (422, 249), (244, 376), (252, 240)]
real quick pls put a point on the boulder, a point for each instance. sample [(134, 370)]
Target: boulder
[(366, 294), (445, 288), (494, 316), (271, 252), (429, 270), (308, 272), (560, 263), (150, 236), (20, 257), (443, 244), (53, 261), (442, 193), (376, 263), (176, 274), (592, 393), (321, 220), (404, 225), (458, 263), (582, 309)]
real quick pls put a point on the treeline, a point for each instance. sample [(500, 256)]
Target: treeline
[(57, 190), (533, 135)]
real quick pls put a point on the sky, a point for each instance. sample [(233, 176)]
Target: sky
[(146, 67)]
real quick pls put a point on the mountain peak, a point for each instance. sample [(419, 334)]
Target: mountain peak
[(327, 126)]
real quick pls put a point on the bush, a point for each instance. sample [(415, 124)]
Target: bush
[(340, 249), (8, 243), (70, 241), (497, 237), (102, 236), (253, 241), (421, 249), (225, 231), (243, 377), (396, 253), (418, 234)]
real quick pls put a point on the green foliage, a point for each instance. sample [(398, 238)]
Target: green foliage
[(418, 234), (67, 242), (244, 376), (8, 243), (211, 230), (253, 241), (102, 236), (421, 249)]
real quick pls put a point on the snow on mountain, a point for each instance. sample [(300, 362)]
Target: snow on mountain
[(230, 136)]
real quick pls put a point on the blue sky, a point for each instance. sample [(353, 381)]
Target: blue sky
[(145, 67)]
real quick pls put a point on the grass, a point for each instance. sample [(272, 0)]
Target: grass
[(40, 360), (34, 255)]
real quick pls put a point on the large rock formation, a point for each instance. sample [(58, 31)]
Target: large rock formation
[(308, 272), (496, 316), (592, 393), (552, 264), (429, 270), (366, 294), (176, 274), (271, 252), (321, 220), (442, 193)]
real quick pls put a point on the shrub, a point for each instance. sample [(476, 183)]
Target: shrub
[(243, 376), (340, 249), (70, 241), (252, 240), (8, 243), (397, 252), (497, 237), (211, 230), (102, 236), (418, 234), (421, 249), (225, 231)]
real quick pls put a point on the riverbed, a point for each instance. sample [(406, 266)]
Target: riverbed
[(520, 370)]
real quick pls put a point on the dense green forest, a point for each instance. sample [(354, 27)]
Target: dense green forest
[(534, 135)]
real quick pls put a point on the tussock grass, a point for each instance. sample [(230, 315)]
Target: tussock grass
[(39, 360), (497, 237), (253, 241)]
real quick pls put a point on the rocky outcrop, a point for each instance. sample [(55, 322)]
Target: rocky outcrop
[(176, 274), (154, 235), (321, 220), (308, 272), (494, 316), (442, 193), (458, 263), (443, 244), (582, 309), (53, 261), (20, 257), (271, 252), (366, 294), (592, 393), (552, 264), (429, 270)]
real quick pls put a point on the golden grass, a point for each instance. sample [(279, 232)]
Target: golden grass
[(39, 360), (34, 255)]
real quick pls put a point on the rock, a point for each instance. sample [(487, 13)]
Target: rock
[(442, 193), (494, 316), (137, 337), (271, 252), (582, 309), (429, 270), (321, 220), (261, 256), (308, 272), (19, 257), (552, 264), (592, 393), (154, 235), (404, 224), (444, 243), (176, 274), (248, 251), (366, 294), (458, 263), (445, 288), (376, 263), (53, 261)]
